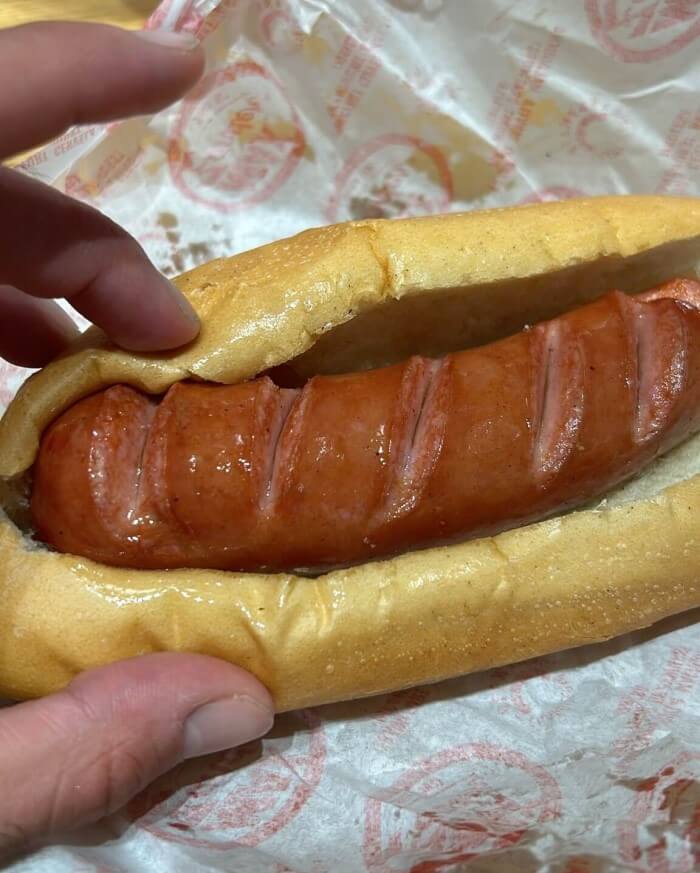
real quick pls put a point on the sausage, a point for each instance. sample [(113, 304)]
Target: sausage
[(352, 467)]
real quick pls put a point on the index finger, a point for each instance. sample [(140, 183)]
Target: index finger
[(54, 75)]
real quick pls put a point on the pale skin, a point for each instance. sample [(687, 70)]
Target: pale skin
[(74, 757)]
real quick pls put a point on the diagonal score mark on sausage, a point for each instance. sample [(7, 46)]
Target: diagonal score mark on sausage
[(422, 400), (664, 360), (159, 504), (272, 407), (557, 357), (133, 514), (285, 424), (119, 435), (659, 347)]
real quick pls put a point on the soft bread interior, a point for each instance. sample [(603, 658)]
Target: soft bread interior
[(437, 321)]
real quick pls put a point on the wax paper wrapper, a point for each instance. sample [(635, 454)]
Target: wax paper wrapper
[(321, 110)]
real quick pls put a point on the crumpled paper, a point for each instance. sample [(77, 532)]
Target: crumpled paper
[(321, 110)]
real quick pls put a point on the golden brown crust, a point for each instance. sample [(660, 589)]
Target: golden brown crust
[(322, 300)]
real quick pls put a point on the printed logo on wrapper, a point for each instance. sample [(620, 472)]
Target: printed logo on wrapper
[(174, 15), (521, 102), (392, 175), (661, 834), (278, 26), (456, 806), (234, 799), (661, 831), (534, 690), (90, 185), (237, 139), (356, 64), (396, 715), (596, 129), (681, 154), (642, 31), (648, 708)]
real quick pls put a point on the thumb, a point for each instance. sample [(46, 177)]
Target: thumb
[(75, 756)]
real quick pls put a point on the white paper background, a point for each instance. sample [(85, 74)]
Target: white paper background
[(320, 110)]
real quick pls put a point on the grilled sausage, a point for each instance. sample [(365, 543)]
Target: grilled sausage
[(351, 467)]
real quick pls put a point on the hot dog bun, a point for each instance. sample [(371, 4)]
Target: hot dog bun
[(346, 298)]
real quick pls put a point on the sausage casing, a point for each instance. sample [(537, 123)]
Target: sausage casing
[(353, 467)]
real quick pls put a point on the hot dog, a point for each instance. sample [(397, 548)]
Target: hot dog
[(353, 467), (381, 296)]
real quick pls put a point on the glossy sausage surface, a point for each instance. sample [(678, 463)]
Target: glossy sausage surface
[(354, 467)]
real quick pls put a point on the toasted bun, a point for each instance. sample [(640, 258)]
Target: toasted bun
[(344, 298)]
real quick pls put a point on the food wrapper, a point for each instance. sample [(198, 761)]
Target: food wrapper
[(313, 111)]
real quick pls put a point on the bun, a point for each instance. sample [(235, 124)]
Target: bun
[(344, 298)]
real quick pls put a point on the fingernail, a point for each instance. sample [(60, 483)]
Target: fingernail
[(224, 724), (184, 304), (169, 39)]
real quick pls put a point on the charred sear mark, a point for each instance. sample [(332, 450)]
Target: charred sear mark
[(558, 363)]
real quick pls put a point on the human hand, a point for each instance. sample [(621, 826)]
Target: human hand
[(69, 759), (75, 756), (52, 76)]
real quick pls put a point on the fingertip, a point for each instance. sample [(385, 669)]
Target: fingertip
[(169, 330), (89, 73), (79, 754), (200, 679), (138, 308), (174, 325), (221, 706), (225, 724), (178, 54), (58, 247), (168, 39), (180, 47)]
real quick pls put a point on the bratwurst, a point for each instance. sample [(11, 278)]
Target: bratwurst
[(351, 467)]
